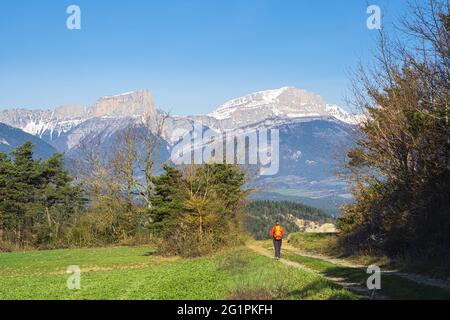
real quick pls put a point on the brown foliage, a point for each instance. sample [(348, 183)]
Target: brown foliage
[(401, 168)]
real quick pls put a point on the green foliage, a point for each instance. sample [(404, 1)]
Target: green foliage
[(261, 216), (199, 210), (167, 201), (356, 157), (39, 199)]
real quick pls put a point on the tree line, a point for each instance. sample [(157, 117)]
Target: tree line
[(262, 214), (116, 199), (401, 168), (190, 210), (38, 199)]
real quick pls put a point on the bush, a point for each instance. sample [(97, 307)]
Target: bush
[(200, 210)]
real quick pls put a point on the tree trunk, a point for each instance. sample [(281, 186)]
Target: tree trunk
[(201, 226), (49, 221)]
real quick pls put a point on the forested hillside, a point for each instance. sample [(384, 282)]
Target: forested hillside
[(261, 215)]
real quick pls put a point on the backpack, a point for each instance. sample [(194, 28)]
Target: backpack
[(277, 233)]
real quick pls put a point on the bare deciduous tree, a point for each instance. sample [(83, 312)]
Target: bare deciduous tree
[(402, 164), (150, 138)]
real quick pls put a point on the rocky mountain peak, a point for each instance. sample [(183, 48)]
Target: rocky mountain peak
[(69, 111), (286, 102), (125, 105), (299, 96), (52, 123)]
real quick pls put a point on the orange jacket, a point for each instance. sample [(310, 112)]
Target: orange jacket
[(272, 232)]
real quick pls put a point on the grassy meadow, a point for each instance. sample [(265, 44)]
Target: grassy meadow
[(136, 273), (322, 246)]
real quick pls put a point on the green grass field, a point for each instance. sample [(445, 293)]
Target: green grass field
[(325, 244), (394, 287), (136, 273), (312, 242)]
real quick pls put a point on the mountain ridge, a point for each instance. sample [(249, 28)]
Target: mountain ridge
[(311, 133), (289, 102), (140, 102), (64, 118), (11, 138)]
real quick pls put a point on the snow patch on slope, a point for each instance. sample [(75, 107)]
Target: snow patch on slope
[(287, 102), (251, 101), (55, 128)]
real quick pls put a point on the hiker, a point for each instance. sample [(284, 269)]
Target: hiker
[(277, 233)]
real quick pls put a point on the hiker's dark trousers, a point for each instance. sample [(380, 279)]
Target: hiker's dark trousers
[(277, 246)]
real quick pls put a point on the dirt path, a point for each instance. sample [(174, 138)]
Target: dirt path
[(420, 279), (354, 287)]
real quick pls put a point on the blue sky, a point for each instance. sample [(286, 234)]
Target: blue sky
[(192, 55)]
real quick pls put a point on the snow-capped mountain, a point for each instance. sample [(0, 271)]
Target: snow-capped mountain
[(312, 134), (65, 126), (286, 103), (39, 122), (11, 138), (64, 118)]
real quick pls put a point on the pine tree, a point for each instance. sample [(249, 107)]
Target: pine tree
[(199, 209), (38, 198), (56, 195), (167, 201)]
